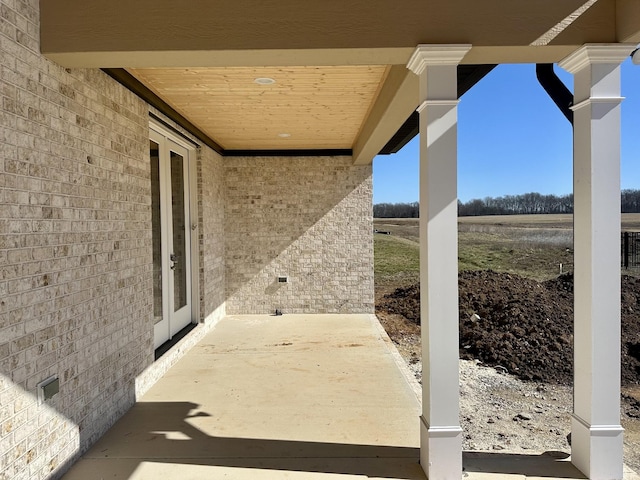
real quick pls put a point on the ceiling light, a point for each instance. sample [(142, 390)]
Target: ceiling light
[(264, 81), (284, 135)]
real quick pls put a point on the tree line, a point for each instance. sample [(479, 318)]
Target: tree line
[(524, 204), (396, 210)]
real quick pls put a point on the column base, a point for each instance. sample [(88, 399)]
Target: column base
[(441, 451), (596, 450)]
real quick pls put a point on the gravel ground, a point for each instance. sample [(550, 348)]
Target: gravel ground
[(499, 412)]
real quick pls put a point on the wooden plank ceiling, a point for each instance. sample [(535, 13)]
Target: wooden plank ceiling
[(306, 108)]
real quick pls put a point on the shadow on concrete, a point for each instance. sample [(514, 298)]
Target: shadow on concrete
[(174, 437), (165, 433), (550, 464)]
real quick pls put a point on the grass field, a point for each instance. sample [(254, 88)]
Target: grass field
[(534, 246), (396, 260)]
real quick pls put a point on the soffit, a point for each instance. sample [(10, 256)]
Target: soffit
[(218, 33), (306, 107)]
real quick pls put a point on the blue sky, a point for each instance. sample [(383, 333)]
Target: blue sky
[(512, 139)]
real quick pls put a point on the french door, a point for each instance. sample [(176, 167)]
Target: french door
[(170, 202)]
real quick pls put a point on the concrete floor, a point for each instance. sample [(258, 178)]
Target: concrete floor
[(290, 397)]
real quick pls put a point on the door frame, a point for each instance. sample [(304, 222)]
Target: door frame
[(193, 218)]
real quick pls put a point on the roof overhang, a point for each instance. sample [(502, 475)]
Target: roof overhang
[(225, 34)]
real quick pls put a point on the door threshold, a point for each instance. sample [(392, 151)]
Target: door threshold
[(166, 346)]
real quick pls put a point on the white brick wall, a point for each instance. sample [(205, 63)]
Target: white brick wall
[(75, 250), (307, 218), (211, 234)]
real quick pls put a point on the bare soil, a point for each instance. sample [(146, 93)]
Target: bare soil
[(517, 349)]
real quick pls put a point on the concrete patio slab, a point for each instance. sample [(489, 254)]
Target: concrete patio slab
[(290, 397)]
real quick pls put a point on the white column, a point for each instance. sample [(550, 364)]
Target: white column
[(440, 434), (596, 434)]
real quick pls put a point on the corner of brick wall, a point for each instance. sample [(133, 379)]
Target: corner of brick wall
[(211, 234)]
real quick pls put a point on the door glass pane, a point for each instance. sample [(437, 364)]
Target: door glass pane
[(156, 229), (178, 222)]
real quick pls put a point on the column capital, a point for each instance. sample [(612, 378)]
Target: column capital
[(437, 103), (592, 53), (436, 54)]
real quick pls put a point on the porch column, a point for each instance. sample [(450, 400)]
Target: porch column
[(440, 433), (596, 434)]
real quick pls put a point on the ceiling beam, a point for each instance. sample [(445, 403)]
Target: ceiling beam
[(232, 58), (295, 58), (628, 21), (397, 99)]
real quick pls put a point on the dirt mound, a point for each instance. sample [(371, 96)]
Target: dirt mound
[(525, 326)]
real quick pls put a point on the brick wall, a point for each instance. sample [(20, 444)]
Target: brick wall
[(75, 250), (211, 234), (309, 219)]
